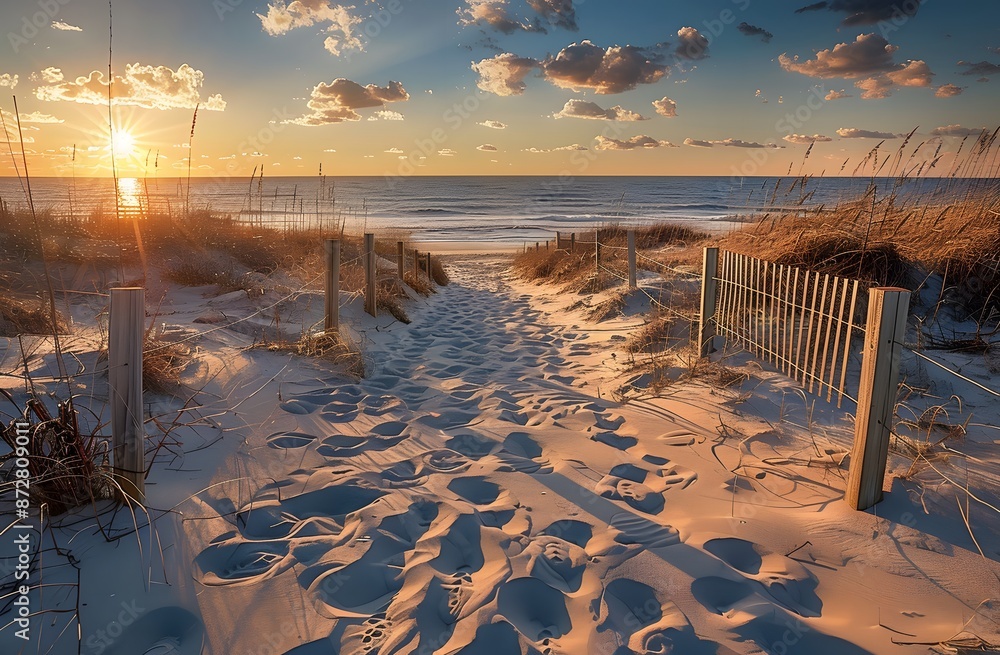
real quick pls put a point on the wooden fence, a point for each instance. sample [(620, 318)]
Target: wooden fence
[(801, 322), (807, 325)]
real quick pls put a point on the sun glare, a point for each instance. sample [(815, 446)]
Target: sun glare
[(123, 144)]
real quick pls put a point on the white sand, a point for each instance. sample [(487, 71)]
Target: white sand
[(482, 492)]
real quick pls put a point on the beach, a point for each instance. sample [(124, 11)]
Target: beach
[(500, 482)]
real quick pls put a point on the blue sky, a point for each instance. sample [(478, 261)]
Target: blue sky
[(406, 86)]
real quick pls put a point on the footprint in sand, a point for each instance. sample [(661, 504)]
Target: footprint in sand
[(319, 512), (534, 608), (290, 440), (241, 562), (523, 454), (632, 610), (780, 578), (642, 488), (163, 631)]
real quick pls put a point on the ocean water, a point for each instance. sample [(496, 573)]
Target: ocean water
[(481, 209)]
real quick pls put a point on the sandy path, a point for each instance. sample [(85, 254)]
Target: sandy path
[(476, 494)]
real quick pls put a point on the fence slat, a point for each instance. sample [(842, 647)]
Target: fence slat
[(847, 343), (820, 324), (709, 299), (839, 322), (790, 321)]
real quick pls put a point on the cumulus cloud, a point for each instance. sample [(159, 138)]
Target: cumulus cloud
[(983, 68), (697, 143), (340, 23), (605, 71), (338, 101), (641, 142), (875, 88), (948, 91), (51, 75), (838, 95), (585, 109), (732, 143), (692, 44), (855, 133), (394, 151), (487, 147), (538, 151), (386, 115), (868, 54), (914, 73), (447, 152), (493, 125), (495, 14), (504, 74), (151, 87), (753, 30), (65, 27), (577, 66), (867, 12), (957, 130), (665, 107), (802, 139), (8, 80), (560, 13)]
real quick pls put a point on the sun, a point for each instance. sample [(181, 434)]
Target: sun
[(123, 144)]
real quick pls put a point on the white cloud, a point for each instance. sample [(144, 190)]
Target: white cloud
[(151, 87), (692, 44), (641, 142), (487, 147), (447, 152), (493, 125), (8, 80), (338, 101), (948, 91), (868, 54), (838, 95), (386, 115), (575, 108), (730, 143), (575, 147), (665, 107), (855, 133), (394, 151), (341, 24), (51, 75), (504, 74), (957, 130), (805, 138), (65, 27)]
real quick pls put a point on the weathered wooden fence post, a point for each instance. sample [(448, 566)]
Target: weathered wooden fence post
[(332, 323), (888, 308), (632, 283), (400, 258), (709, 293), (572, 241), (597, 256), (429, 278), (125, 339), (558, 240), (416, 264), (371, 303)]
